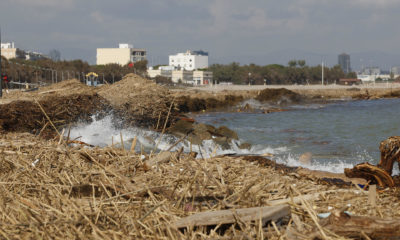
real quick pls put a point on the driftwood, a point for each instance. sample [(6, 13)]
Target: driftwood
[(380, 174), (371, 173), (231, 216), (390, 153), (356, 226)]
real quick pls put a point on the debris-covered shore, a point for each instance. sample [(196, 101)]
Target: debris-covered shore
[(51, 189), (54, 187)]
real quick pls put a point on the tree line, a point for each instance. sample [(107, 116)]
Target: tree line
[(48, 71), (296, 72)]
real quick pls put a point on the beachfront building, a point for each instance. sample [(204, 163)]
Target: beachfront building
[(344, 62), (152, 73), (190, 60), (122, 55), (182, 76), (9, 51), (202, 77)]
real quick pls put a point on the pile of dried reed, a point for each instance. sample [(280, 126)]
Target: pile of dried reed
[(50, 190)]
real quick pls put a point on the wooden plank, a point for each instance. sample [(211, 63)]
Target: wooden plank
[(230, 216), (351, 226)]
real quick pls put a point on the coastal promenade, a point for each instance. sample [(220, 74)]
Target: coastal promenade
[(222, 87)]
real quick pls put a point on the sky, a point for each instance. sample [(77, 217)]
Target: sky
[(253, 31)]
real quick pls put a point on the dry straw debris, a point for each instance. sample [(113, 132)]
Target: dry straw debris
[(57, 191)]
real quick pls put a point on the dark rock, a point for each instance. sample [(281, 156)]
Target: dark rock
[(181, 128), (195, 139), (202, 131), (245, 145), (226, 132), (223, 142), (280, 95)]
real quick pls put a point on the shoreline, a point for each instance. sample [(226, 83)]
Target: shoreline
[(67, 189)]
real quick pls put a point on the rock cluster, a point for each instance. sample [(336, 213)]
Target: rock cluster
[(198, 132)]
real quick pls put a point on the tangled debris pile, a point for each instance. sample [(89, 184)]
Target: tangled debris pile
[(139, 100), (135, 101), (58, 191), (64, 88), (28, 116)]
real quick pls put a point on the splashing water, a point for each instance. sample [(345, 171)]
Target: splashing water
[(104, 133), (339, 135)]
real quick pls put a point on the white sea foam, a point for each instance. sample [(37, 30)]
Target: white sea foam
[(335, 166), (104, 133)]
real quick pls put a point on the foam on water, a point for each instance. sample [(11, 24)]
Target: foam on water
[(103, 132), (292, 160)]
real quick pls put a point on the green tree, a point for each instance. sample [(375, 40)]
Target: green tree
[(301, 63), (292, 63)]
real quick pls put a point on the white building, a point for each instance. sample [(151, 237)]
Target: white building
[(183, 76), (7, 45), (189, 60), (9, 51), (122, 55), (370, 78)]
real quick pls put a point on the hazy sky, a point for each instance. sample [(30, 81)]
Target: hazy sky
[(230, 30)]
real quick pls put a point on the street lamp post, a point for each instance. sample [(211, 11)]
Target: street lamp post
[(249, 78)]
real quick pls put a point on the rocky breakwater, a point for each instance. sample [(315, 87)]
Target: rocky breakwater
[(279, 96), (196, 133)]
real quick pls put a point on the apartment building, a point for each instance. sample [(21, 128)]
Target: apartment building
[(122, 55), (190, 60)]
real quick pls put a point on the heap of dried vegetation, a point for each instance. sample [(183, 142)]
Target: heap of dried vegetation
[(52, 190)]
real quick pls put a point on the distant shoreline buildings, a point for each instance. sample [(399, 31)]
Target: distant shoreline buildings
[(122, 55), (9, 51), (190, 60), (185, 68), (368, 74), (344, 62)]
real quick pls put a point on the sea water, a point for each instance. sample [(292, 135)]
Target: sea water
[(337, 135)]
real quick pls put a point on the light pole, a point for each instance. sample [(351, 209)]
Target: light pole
[(249, 78), (322, 77)]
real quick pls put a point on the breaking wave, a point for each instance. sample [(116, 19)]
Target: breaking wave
[(102, 133)]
